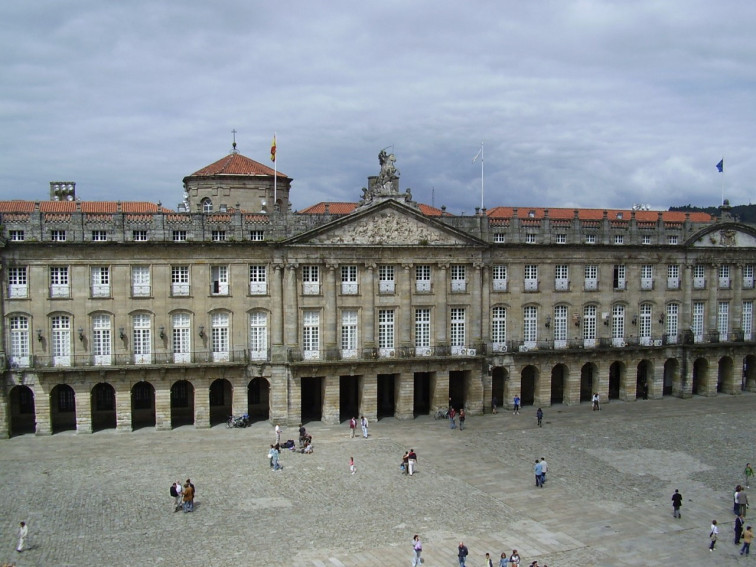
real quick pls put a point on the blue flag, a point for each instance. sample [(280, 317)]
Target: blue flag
[(720, 165)]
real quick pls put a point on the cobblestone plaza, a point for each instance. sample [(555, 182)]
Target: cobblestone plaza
[(102, 499)]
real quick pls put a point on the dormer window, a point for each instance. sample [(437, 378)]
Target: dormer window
[(531, 214), (207, 205), (619, 216)]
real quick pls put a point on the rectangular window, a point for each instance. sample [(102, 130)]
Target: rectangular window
[(618, 325), (560, 326), (724, 276), (386, 279), (258, 335), (219, 280), (181, 338), (646, 239), (100, 281), (499, 277), (256, 235), (618, 279), (58, 235), (699, 276), (647, 276), (589, 325), (422, 279), (530, 326), (531, 277), (59, 282), (258, 280), (671, 322), (219, 336), (99, 236), (457, 331), (179, 236), (422, 332), (140, 281), (748, 276), (672, 239), (723, 320), (499, 329), (458, 278), (530, 238), (101, 340), (141, 335), (180, 280), (349, 280), (139, 235), (561, 238), (218, 235), (349, 333), (561, 277), (591, 277), (697, 325), (748, 320), (18, 284), (16, 235), (619, 239), (310, 280), (499, 238), (61, 340), (386, 332), (311, 335), (590, 239), (19, 341), (644, 324), (673, 276)]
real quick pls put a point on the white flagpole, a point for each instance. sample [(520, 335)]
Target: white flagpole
[(275, 173), (480, 153), (722, 184)]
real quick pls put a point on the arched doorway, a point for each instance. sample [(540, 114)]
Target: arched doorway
[(220, 401), (700, 383), (458, 388), (644, 378), (528, 385), (588, 382), (258, 399), (22, 411), (671, 377), (726, 376), (498, 381), (558, 380), (103, 407), (142, 405), (421, 394), (62, 408), (749, 372), (312, 398), (182, 403), (386, 403), (616, 378)]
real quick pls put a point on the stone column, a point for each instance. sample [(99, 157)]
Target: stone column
[(163, 406), (736, 308), (485, 306), (513, 385), (542, 394), (239, 392), (404, 395), (572, 384), (476, 295), (685, 316), (279, 408), (123, 406), (710, 325), (291, 308), (439, 394), (330, 312), (656, 380), (294, 387), (440, 314), (278, 352), (331, 385), (368, 313), (404, 319), (369, 397), (475, 388), (83, 408), (42, 409), (201, 390), (5, 410)]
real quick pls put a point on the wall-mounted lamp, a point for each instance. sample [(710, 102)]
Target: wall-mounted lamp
[(635, 319), (162, 332), (39, 335), (576, 320), (202, 331), (661, 318), (548, 321), (606, 321), (121, 333), (81, 334)]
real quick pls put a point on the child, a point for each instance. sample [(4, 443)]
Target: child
[(488, 562), (351, 465)]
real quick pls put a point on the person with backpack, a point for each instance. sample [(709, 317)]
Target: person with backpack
[(176, 492), (462, 552)]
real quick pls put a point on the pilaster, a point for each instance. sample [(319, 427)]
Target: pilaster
[(83, 407), (331, 386), (404, 395), (439, 386), (369, 399)]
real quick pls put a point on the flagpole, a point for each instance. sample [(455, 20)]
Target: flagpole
[(722, 184), (481, 175), (275, 173)]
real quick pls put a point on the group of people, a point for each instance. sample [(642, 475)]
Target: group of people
[(540, 469), (453, 416), (363, 426), (409, 462), (183, 495), (512, 561)]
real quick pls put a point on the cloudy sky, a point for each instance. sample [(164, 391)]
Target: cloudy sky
[(579, 103)]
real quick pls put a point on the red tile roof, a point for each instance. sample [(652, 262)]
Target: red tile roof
[(596, 214), (16, 206), (236, 164)]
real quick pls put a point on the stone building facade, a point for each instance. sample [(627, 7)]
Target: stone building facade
[(127, 314)]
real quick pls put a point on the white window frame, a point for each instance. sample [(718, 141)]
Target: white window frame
[(422, 331), (499, 328), (219, 280), (646, 239), (531, 277), (258, 279), (141, 338), (100, 277), (644, 324), (619, 277), (590, 239), (619, 239), (19, 340), (457, 335), (724, 276), (102, 340), (179, 236), (748, 276), (561, 238), (699, 276), (258, 335), (747, 323), (561, 277), (590, 273), (723, 320), (618, 325), (349, 280), (499, 277), (672, 239), (386, 328), (141, 281), (530, 326), (310, 280), (423, 278), (16, 235), (180, 286), (99, 236), (60, 282), (58, 235), (560, 326), (530, 238), (256, 235), (386, 282), (458, 278), (590, 320), (698, 320), (139, 235), (18, 282), (311, 335), (218, 235), (647, 277), (672, 322), (673, 276), (181, 337), (220, 331), (60, 339), (349, 327)]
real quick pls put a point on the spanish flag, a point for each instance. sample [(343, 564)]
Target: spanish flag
[(273, 149)]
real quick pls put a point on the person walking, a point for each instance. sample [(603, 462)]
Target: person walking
[(595, 400), (516, 403), (739, 524), (352, 426), (747, 539), (676, 504), (461, 418), (544, 469), (742, 503), (462, 552), (417, 549), (539, 415), (713, 534), (736, 500), (352, 467), (494, 404), (278, 434), (503, 561), (538, 470), (188, 494), (514, 559), (23, 533), (452, 415), (364, 425), (411, 461), (748, 473), (488, 562), (179, 496), (275, 452)]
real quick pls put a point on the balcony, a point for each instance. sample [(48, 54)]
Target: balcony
[(81, 361)]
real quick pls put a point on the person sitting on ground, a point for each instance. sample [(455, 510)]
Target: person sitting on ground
[(308, 447)]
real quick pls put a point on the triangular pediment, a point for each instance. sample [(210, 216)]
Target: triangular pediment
[(387, 224), (725, 235)]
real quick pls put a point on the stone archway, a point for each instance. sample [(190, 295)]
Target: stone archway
[(700, 382), (258, 399), (616, 380), (498, 383), (559, 376), (221, 394), (142, 405), (528, 385), (644, 380), (672, 382), (588, 382), (103, 407), (749, 372), (182, 403), (62, 408), (726, 376), (22, 411)]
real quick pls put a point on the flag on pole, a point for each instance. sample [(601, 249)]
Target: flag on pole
[(273, 149), (478, 154), (720, 165)]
